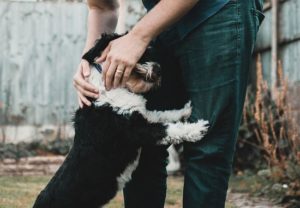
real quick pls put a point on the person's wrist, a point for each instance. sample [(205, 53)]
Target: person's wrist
[(141, 34)]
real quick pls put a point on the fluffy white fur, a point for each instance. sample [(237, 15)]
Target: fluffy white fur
[(125, 102), (190, 132)]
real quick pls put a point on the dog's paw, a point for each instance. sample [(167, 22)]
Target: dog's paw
[(190, 132), (195, 131), (186, 111)]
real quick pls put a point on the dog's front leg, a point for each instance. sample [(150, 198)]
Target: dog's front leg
[(189, 132), (171, 133), (169, 116)]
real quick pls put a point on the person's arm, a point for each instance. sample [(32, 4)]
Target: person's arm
[(102, 18), (122, 54)]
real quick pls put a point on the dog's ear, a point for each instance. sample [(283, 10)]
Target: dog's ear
[(100, 45), (149, 72), (144, 77)]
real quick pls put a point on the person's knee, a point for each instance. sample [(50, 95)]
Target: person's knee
[(212, 162), (215, 161), (206, 182)]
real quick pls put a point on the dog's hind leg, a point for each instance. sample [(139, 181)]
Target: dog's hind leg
[(80, 182)]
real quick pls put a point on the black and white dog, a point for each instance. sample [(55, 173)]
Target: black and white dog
[(110, 135)]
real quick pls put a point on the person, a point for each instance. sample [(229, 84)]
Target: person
[(210, 42)]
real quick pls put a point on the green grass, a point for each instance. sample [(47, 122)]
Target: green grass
[(20, 192)]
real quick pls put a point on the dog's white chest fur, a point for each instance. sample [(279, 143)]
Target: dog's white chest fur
[(124, 102)]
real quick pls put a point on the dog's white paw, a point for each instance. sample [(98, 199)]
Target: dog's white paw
[(190, 132), (195, 131), (187, 111)]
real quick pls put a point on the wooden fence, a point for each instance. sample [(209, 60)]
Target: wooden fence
[(280, 35), (41, 44), (40, 47)]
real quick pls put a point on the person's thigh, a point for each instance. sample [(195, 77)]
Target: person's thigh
[(147, 188), (215, 63)]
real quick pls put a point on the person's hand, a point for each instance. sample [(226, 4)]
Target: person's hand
[(83, 88), (119, 58)]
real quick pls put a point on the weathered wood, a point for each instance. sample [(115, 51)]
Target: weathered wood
[(268, 5), (274, 44), (40, 47), (288, 40)]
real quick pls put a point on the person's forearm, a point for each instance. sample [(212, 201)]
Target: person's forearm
[(164, 14), (100, 20)]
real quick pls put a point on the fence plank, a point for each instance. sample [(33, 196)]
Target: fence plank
[(41, 45), (289, 40)]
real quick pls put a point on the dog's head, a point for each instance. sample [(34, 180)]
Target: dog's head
[(145, 76)]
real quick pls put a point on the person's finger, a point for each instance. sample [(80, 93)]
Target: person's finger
[(103, 55), (110, 75), (79, 102), (79, 81), (86, 93), (104, 66), (86, 71), (118, 75), (84, 99), (126, 75)]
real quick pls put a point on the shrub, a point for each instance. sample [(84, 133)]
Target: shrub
[(269, 135), (17, 151)]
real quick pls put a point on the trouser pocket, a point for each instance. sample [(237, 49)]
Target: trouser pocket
[(257, 19)]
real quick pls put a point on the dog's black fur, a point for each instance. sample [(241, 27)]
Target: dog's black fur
[(105, 144)]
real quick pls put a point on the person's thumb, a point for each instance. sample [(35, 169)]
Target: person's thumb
[(85, 69)]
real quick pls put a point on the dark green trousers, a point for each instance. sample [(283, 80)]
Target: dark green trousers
[(214, 60)]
